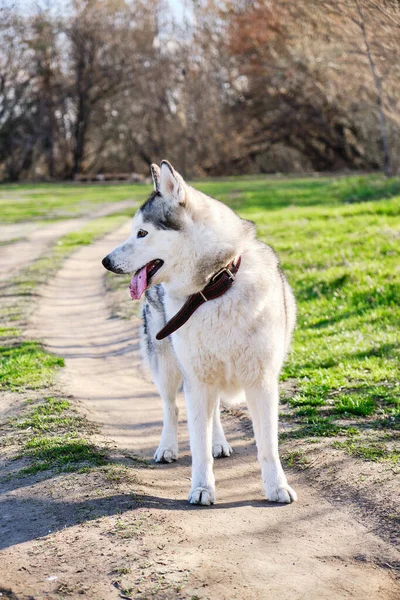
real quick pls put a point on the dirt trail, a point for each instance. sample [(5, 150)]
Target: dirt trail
[(243, 547), (37, 238)]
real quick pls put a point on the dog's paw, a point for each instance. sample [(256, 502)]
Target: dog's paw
[(221, 449), (281, 493), (165, 455), (202, 495)]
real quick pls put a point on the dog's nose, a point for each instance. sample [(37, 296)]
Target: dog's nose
[(106, 262)]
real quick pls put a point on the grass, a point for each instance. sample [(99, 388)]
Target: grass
[(26, 365), (9, 332), (94, 229), (370, 452), (49, 415), (279, 193), (338, 241), (355, 405), (27, 202), (23, 202), (315, 426), (296, 458), (68, 452), (51, 435)]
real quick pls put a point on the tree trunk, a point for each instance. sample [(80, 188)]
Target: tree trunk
[(387, 169), (81, 119)]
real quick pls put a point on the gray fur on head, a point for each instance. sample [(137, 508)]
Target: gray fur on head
[(161, 214)]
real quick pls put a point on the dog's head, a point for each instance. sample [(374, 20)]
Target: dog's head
[(180, 237)]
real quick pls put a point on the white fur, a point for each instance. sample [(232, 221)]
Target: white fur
[(232, 345)]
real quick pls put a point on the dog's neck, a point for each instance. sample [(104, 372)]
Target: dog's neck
[(196, 272), (214, 236)]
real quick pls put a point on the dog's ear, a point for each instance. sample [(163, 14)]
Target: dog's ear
[(155, 175), (172, 186)]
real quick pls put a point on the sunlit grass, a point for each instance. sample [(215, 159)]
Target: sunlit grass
[(339, 244), (32, 202), (338, 241), (65, 452), (27, 366), (371, 452), (50, 414), (23, 202)]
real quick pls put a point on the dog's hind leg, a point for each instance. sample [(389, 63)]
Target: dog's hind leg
[(220, 446), (168, 380), (263, 406)]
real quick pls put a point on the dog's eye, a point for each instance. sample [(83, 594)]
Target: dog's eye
[(142, 233)]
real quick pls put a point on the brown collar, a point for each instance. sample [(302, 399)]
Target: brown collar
[(217, 286)]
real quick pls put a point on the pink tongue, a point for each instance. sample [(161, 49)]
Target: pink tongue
[(138, 284)]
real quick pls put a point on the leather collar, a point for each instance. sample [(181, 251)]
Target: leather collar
[(216, 287)]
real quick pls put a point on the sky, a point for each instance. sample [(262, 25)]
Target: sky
[(177, 6)]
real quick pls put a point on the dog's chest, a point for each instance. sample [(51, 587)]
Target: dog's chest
[(220, 344)]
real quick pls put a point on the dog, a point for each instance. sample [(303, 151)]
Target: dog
[(185, 248)]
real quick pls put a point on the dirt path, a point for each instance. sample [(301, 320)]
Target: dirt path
[(242, 547), (37, 238)]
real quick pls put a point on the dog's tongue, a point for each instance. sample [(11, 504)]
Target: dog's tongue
[(138, 283)]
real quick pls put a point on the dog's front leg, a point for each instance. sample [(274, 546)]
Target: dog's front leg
[(263, 403), (201, 401)]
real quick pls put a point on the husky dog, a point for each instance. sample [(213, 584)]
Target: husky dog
[(234, 344)]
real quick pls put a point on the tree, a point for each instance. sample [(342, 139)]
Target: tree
[(102, 61), (17, 102), (260, 86)]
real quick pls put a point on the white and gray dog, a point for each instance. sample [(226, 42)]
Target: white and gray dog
[(192, 255)]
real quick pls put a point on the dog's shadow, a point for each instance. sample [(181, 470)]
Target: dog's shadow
[(32, 518)]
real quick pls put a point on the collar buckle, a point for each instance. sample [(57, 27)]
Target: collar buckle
[(225, 270)]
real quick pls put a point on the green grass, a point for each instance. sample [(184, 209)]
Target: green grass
[(94, 229), (68, 452), (9, 332), (296, 458), (27, 366), (51, 435), (338, 241), (371, 452), (355, 405), (51, 414), (341, 253), (278, 193), (27, 202), (299, 401), (339, 244), (23, 202), (315, 426)]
